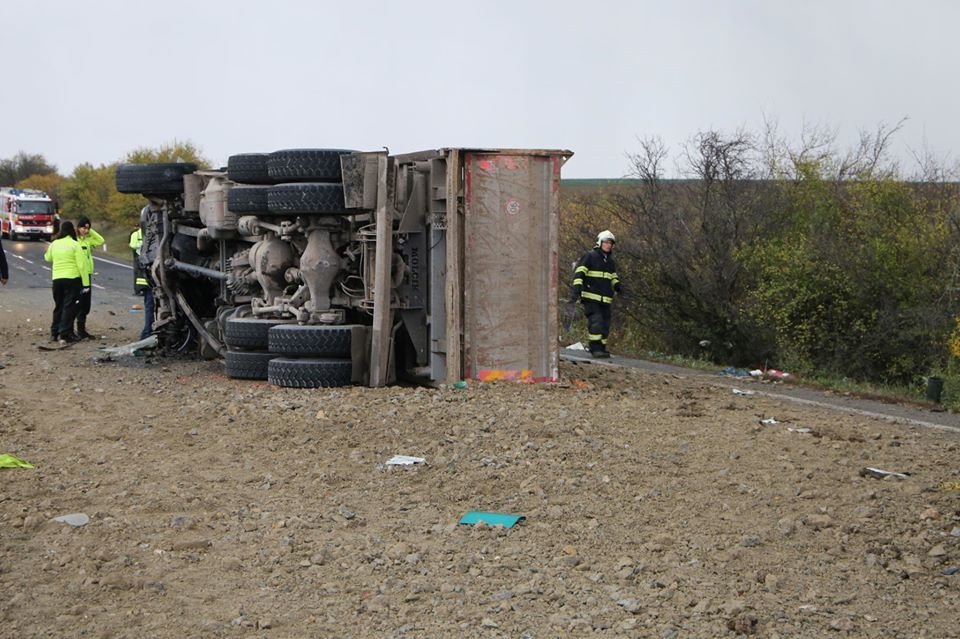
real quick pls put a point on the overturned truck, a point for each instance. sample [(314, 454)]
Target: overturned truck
[(327, 267)]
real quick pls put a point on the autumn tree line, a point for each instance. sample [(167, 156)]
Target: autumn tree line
[(756, 252), (90, 190)]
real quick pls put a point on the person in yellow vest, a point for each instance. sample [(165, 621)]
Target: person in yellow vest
[(89, 240), (68, 265), (140, 283)]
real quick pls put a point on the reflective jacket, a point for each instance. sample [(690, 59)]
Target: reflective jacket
[(595, 278), (87, 243), (136, 241), (68, 260)]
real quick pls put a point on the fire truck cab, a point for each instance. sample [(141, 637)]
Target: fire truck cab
[(26, 213)]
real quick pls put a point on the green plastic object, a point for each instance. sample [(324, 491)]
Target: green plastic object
[(491, 519), (12, 461)]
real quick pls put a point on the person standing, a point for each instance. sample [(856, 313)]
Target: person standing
[(89, 240), (68, 264), (140, 283), (595, 280), (4, 271)]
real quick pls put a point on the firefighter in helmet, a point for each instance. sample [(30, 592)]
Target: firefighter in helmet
[(595, 281)]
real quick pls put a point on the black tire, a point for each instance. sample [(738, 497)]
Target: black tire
[(247, 199), (249, 332), (309, 373), (247, 365), (153, 179), (322, 198), (305, 165), (311, 341), (249, 168)]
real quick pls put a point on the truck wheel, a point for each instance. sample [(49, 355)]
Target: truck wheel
[(249, 332), (153, 179), (305, 165), (247, 199), (313, 341), (247, 365), (309, 197), (249, 168), (309, 373)]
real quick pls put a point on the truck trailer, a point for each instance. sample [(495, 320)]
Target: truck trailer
[(327, 267)]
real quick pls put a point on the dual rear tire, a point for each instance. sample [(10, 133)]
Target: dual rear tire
[(288, 355)]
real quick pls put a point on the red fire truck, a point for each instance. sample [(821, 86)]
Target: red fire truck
[(26, 213)]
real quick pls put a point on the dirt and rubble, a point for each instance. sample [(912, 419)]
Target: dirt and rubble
[(656, 506)]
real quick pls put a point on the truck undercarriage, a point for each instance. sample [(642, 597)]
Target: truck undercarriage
[(324, 267)]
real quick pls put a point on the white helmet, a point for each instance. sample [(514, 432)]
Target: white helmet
[(603, 236)]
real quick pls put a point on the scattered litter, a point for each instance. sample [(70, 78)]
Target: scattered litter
[(578, 346), (800, 430), (127, 349), (881, 474), (405, 460), (730, 371), (769, 421), (948, 486), (12, 461), (74, 519), (491, 519), (756, 373), (737, 391), (136, 307), (952, 570), (774, 374), (461, 384)]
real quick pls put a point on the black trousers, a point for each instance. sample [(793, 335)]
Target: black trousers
[(598, 324), (83, 309), (66, 303)]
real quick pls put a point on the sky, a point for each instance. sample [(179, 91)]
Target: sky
[(91, 81)]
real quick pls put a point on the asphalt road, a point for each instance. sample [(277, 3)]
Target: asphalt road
[(919, 415), (112, 280)]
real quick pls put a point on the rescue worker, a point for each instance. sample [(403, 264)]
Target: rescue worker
[(89, 240), (139, 275), (68, 265), (595, 281)]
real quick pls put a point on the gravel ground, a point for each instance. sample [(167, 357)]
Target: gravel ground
[(656, 505)]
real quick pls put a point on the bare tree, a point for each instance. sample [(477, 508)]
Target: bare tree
[(685, 236), (22, 166)]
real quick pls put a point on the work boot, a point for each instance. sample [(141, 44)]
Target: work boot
[(600, 354), (82, 334)]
